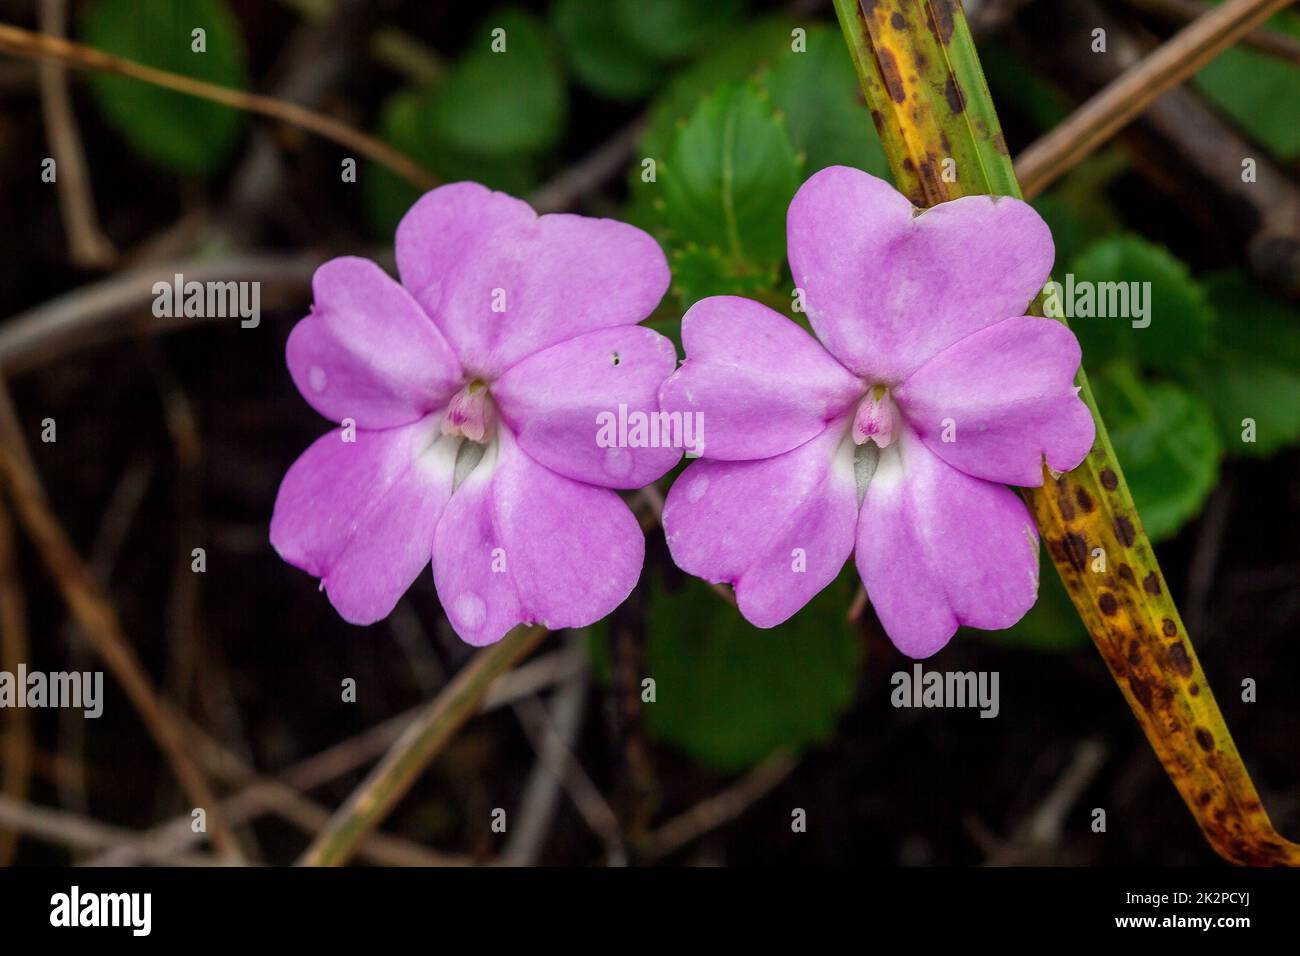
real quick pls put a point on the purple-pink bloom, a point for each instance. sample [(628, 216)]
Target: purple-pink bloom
[(468, 396), (893, 437)]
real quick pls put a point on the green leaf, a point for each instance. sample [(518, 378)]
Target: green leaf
[(740, 58), (403, 123), (699, 273), (507, 103), (1165, 437), (672, 29), (182, 132), (817, 92), (1159, 290), (1258, 91), (728, 179), (1253, 371), (1052, 624), (602, 55), (729, 694)]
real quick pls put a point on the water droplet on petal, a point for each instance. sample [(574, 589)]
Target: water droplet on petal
[(618, 462), (469, 611), (317, 379)]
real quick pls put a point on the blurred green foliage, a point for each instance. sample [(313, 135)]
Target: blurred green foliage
[(178, 131), (1150, 286), (1257, 91), (489, 119), (726, 183)]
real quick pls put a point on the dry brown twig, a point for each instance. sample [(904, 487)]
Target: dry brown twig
[(259, 795), (18, 748), (1036, 837), (88, 247), (25, 43), (94, 612), (1275, 44), (119, 515), (1099, 119), (424, 739), (77, 832), (722, 807), (552, 740), (1183, 147)]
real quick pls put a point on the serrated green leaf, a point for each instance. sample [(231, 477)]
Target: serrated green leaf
[(1166, 438), (729, 178), (507, 103), (729, 694), (602, 55), (1253, 371), (1130, 269), (1260, 92), (742, 57), (700, 272), (816, 90), (179, 131)]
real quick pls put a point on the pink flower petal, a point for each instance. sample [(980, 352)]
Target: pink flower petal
[(502, 285), (886, 290), (555, 400), (367, 351), (762, 384), (1006, 397), (443, 231), (755, 524), (937, 548), (361, 515), (519, 543)]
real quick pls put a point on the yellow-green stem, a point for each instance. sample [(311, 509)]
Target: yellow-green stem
[(926, 91)]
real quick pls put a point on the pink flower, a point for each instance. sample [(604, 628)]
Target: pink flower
[(469, 396), (892, 437)]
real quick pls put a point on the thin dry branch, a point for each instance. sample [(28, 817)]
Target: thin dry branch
[(554, 749), (1182, 146), (88, 247), (77, 832), (1099, 119), (94, 613), (1275, 44), (38, 46), (722, 807), (379, 793), (14, 645), (90, 313), (259, 795)]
